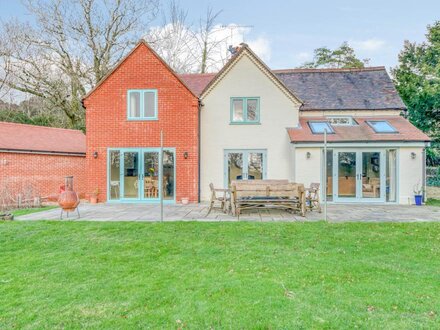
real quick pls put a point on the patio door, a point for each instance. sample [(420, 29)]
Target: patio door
[(131, 174), (135, 175), (244, 165), (359, 175)]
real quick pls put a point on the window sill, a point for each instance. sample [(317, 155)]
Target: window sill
[(244, 123), (142, 119)]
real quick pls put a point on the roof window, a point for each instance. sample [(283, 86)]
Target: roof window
[(381, 126), (318, 127)]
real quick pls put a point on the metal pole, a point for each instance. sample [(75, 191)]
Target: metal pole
[(325, 176), (161, 176)]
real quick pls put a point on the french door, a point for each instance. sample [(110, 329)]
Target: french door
[(135, 174), (359, 175), (244, 165)]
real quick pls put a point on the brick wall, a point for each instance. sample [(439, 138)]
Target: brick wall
[(107, 125), (40, 174)]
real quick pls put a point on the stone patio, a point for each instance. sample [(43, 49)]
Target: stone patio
[(197, 212)]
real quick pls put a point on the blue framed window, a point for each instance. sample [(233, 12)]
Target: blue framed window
[(245, 110), (142, 104)]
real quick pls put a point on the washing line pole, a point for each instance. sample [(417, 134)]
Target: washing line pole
[(161, 176)]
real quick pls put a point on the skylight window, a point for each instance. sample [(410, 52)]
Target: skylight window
[(382, 126), (318, 127)]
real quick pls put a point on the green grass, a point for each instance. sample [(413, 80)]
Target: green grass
[(76, 275), (433, 202), (19, 212)]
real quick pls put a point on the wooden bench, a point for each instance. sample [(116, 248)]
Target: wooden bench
[(255, 194)]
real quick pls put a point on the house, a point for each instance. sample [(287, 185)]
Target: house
[(34, 160), (125, 115), (249, 122)]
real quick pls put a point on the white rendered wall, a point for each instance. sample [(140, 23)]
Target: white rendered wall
[(277, 112)]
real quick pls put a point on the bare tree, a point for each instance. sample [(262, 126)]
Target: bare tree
[(173, 39), (71, 46), (210, 47), (187, 47)]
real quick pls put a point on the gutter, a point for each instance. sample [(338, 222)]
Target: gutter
[(43, 152), (424, 174)]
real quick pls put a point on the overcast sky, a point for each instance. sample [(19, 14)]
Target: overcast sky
[(285, 33)]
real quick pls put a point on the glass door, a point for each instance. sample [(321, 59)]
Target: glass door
[(347, 175), (131, 174), (254, 166), (135, 175), (150, 175), (244, 165), (359, 176), (168, 175), (235, 170), (371, 179)]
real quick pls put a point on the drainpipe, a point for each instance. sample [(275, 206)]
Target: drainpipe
[(200, 104), (424, 173)]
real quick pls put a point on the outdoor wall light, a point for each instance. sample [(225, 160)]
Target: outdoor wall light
[(95, 154), (308, 155), (413, 155), (185, 155)]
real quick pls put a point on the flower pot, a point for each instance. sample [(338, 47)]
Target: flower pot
[(185, 200), (93, 199), (418, 199)]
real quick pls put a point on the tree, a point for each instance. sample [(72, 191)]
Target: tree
[(417, 79), (69, 48), (208, 46), (189, 47), (342, 57), (32, 111), (173, 39)]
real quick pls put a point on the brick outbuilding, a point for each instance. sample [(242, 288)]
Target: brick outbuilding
[(34, 160)]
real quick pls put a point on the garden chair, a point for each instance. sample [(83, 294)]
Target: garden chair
[(312, 197), (114, 187), (221, 198)]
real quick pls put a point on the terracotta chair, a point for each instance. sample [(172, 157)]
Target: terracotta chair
[(222, 198)]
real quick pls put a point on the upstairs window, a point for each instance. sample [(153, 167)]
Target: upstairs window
[(381, 126), (245, 110), (318, 127), (142, 104)]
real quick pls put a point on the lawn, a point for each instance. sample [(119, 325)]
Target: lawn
[(219, 275), (433, 202)]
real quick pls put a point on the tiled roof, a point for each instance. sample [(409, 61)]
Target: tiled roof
[(329, 89), (359, 133), (342, 89), (197, 82), (21, 137)]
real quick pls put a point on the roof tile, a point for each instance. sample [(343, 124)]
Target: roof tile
[(359, 133), (23, 137), (328, 89)]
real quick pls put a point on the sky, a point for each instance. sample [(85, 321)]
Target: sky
[(285, 33)]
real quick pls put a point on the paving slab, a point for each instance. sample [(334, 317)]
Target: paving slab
[(198, 212)]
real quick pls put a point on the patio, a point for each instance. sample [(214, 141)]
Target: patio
[(197, 212)]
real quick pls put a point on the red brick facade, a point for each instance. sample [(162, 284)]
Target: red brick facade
[(38, 174), (107, 125)]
